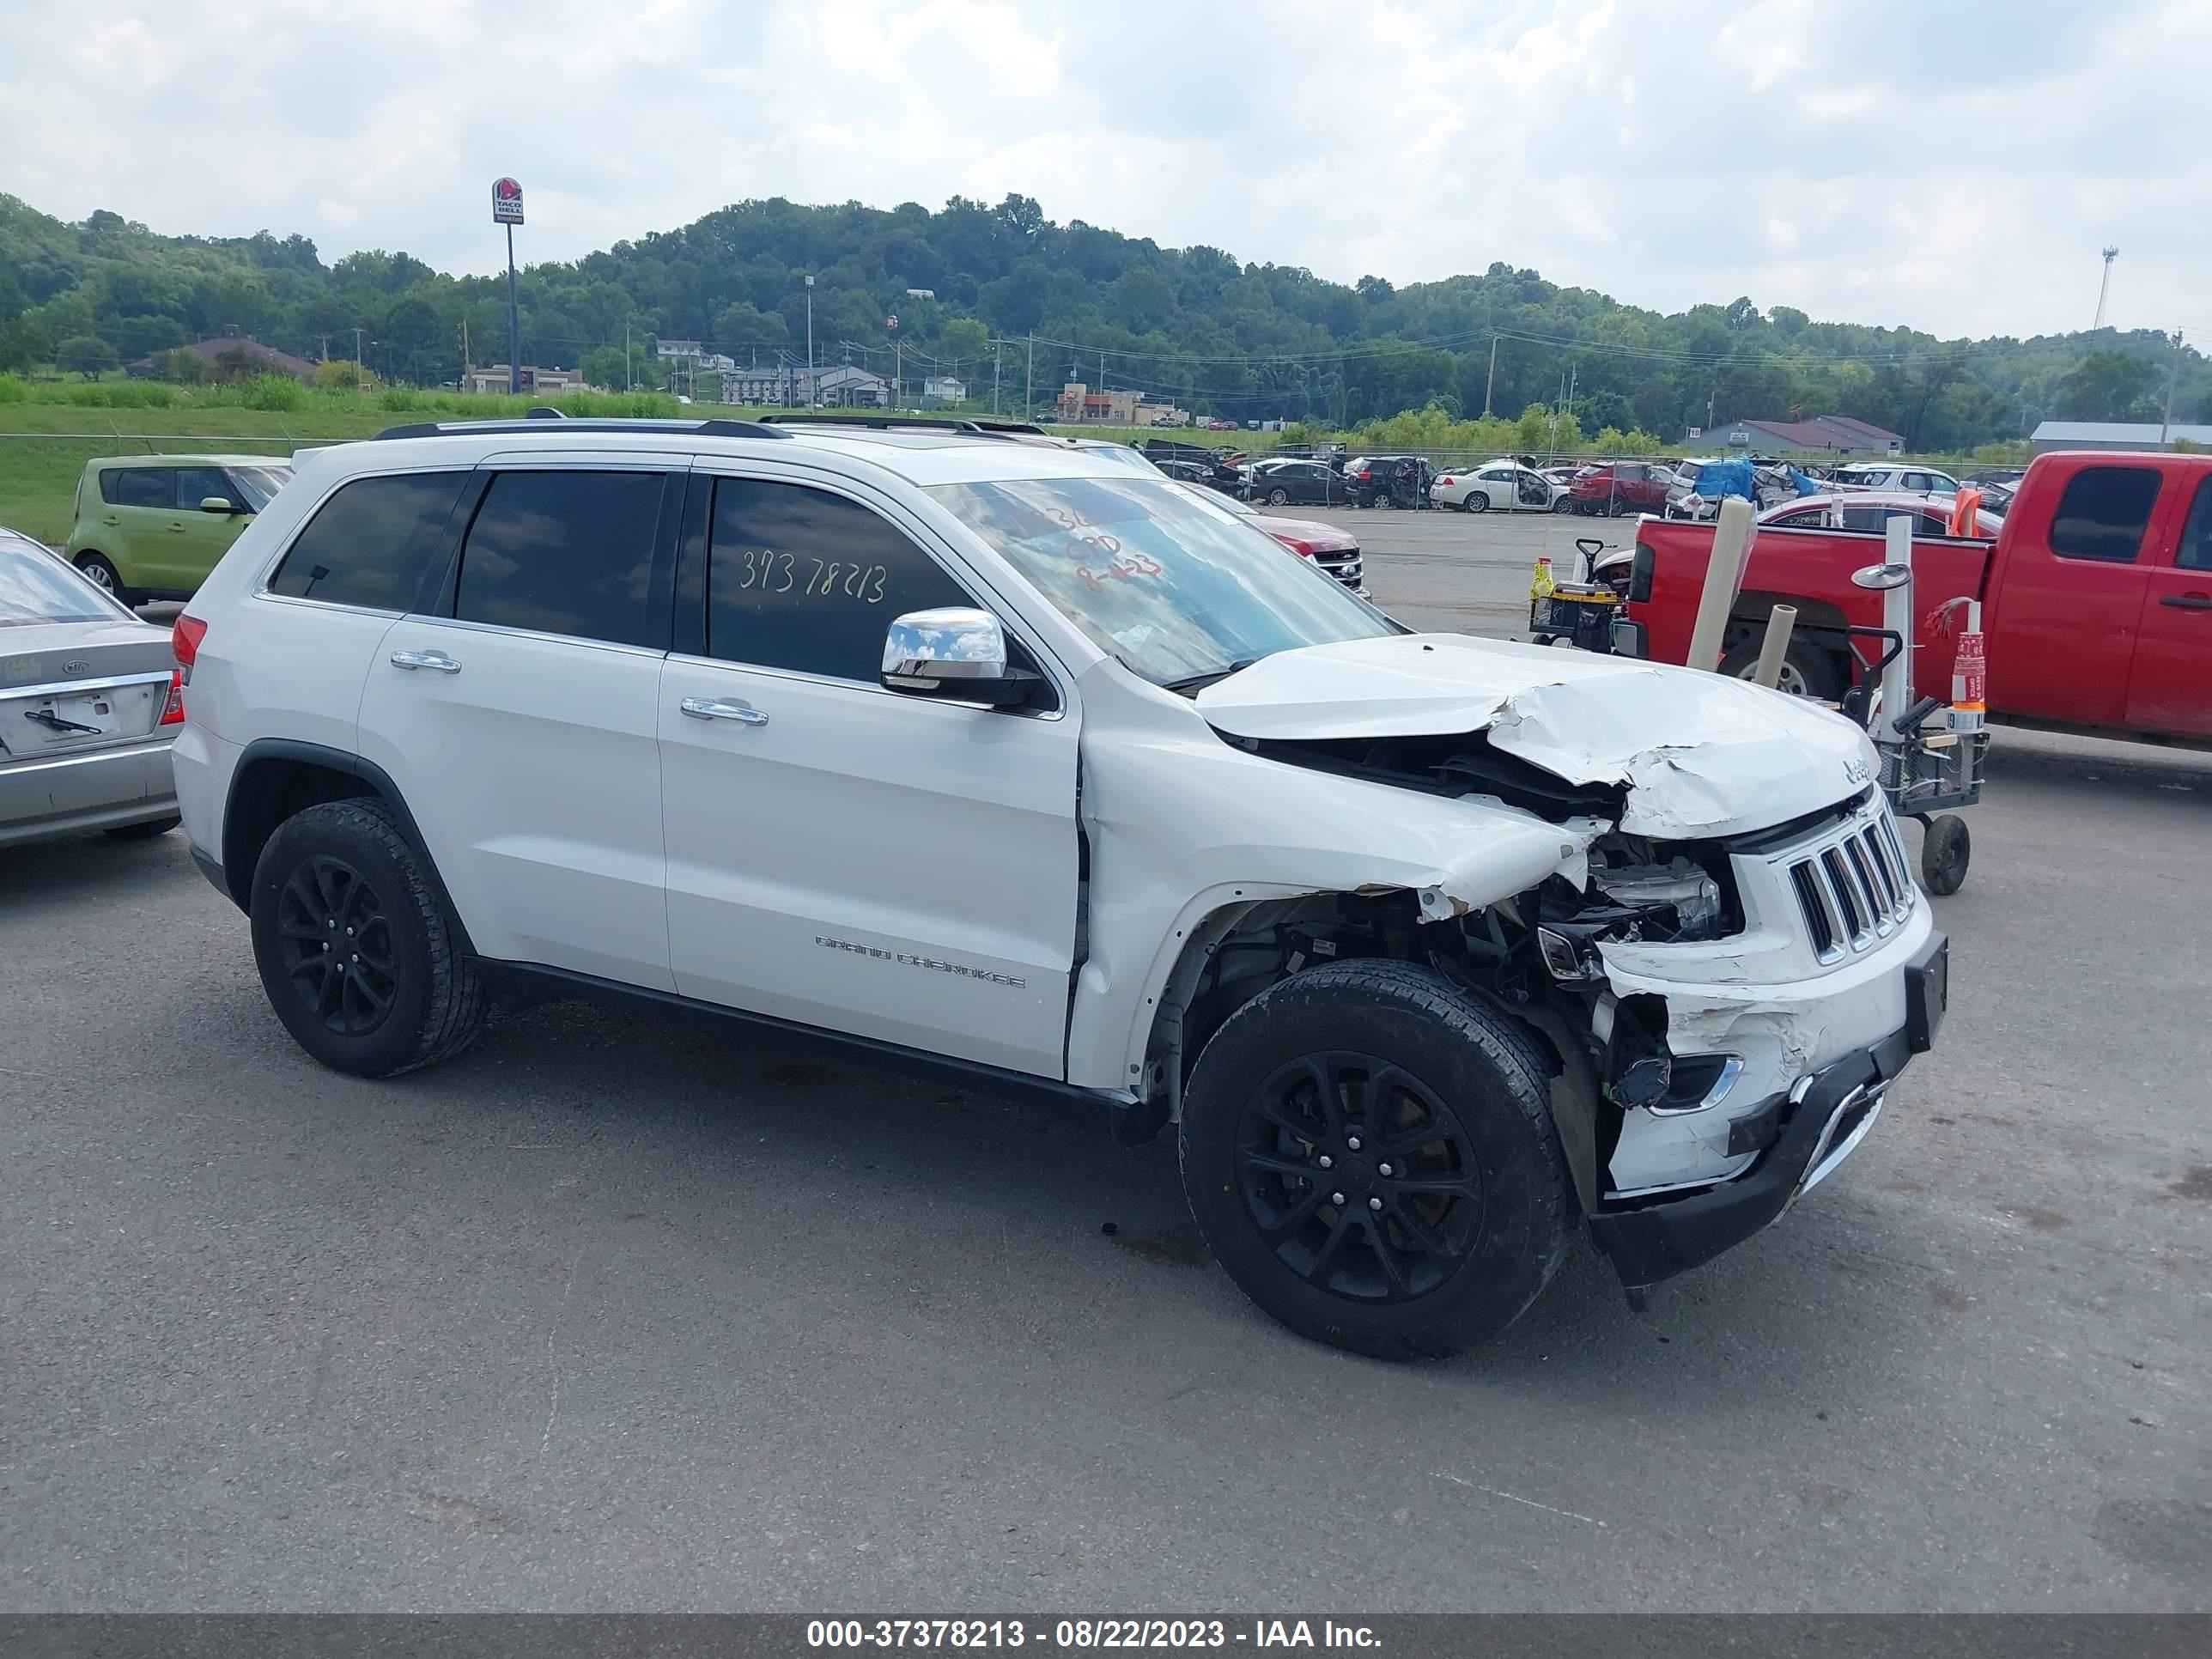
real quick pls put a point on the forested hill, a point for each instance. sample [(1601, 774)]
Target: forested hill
[(1194, 324)]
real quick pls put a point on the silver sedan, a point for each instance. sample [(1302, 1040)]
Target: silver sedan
[(90, 701)]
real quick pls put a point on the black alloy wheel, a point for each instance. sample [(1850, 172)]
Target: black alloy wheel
[(1361, 1179), (335, 944)]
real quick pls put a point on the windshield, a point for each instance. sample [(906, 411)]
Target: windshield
[(1167, 581), (259, 482), (37, 587)]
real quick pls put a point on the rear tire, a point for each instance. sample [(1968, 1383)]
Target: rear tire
[(146, 831), (357, 953), (1278, 497), (96, 566), (1475, 501), (1807, 670), (1468, 1226)]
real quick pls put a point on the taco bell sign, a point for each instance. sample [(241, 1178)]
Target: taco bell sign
[(506, 202)]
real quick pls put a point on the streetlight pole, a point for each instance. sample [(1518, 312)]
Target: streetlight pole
[(357, 359), (814, 387)]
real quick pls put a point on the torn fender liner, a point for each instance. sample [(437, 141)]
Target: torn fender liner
[(1700, 756)]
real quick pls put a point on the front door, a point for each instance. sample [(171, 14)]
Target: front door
[(2064, 636), (2170, 690), (520, 716), (841, 855), (206, 536)]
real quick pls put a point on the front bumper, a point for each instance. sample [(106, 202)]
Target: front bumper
[(1823, 1117), (98, 789)]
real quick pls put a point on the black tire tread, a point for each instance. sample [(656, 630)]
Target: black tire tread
[(1511, 1047), (454, 1010)]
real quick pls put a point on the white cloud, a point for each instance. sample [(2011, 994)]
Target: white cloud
[(1713, 150)]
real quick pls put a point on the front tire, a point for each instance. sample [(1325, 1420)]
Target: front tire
[(1370, 1153), (357, 953), (104, 573)]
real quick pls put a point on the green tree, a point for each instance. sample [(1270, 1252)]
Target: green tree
[(85, 353), (2106, 386)]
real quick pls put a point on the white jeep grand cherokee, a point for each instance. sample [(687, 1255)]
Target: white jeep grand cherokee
[(992, 754)]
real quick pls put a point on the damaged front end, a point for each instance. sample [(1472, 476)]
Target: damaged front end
[(1725, 1010)]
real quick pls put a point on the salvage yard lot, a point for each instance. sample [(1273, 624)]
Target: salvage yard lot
[(620, 1311)]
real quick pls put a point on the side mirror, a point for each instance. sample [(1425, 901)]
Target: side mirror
[(1631, 639), (219, 504), (955, 654)]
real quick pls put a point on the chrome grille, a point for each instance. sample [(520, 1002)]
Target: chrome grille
[(1853, 888), (1346, 567)]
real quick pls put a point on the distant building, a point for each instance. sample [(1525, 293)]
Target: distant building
[(841, 387), (2116, 435), (944, 389), (1826, 435), (1151, 413), (677, 350), (493, 378), (713, 363), (1078, 402), (229, 353)]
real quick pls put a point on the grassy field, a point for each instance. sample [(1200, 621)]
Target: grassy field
[(43, 447)]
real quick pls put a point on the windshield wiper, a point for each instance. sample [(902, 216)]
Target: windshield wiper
[(1190, 685)]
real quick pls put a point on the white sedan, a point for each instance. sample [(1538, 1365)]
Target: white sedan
[(1498, 487)]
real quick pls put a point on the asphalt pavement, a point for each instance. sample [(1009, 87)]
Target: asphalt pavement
[(621, 1311)]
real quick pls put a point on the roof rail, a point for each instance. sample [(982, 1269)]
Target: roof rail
[(531, 421), (972, 427)]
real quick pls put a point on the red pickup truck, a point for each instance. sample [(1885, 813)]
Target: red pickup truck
[(2096, 599)]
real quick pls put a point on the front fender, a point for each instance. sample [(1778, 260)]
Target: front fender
[(1183, 825)]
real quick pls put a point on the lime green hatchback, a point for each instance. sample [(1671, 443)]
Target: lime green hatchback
[(152, 526)]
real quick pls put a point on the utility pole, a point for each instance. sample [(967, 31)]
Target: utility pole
[(998, 363), (1491, 379), (630, 380), (813, 386), (2172, 378), (357, 359), (2111, 254), (1029, 382)]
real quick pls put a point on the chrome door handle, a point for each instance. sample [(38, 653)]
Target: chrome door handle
[(432, 659), (715, 709)]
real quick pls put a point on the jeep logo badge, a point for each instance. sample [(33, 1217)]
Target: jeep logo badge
[(1855, 771)]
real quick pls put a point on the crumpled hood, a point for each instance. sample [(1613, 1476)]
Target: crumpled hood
[(1699, 755)]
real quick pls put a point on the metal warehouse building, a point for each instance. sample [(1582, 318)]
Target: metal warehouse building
[(2116, 435)]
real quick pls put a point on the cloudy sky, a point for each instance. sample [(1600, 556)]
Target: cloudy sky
[(1950, 164)]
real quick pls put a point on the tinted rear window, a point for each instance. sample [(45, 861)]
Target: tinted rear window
[(144, 486), (374, 543), (565, 552), (2104, 513)]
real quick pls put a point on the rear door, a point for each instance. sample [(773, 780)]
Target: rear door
[(840, 855), (140, 516), (518, 713), (2170, 690), (2063, 640)]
